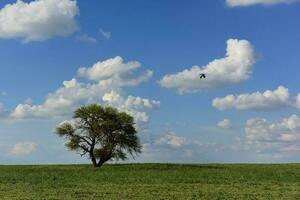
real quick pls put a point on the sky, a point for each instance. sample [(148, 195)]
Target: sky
[(144, 57)]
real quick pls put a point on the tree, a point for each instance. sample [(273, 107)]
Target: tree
[(102, 133)]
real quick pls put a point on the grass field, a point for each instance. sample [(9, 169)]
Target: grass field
[(151, 181)]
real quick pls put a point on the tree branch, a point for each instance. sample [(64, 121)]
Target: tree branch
[(84, 148)]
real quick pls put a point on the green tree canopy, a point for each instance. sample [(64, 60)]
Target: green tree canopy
[(102, 133)]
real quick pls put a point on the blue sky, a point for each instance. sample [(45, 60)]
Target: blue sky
[(248, 49)]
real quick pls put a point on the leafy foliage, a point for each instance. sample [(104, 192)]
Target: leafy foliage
[(103, 133)]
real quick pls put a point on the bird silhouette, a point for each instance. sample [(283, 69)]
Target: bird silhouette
[(202, 76)]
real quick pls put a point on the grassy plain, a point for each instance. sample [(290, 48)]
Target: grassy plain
[(151, 181)]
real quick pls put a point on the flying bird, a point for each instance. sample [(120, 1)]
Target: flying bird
[(202, 76)]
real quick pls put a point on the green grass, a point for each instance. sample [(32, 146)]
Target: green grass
[(151, 181)]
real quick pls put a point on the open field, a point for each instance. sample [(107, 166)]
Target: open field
[(151, 181)]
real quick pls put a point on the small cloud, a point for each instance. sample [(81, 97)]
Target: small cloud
[(86, 38), (105, 34), (257, 101), (171, 139), (115, 68), (3, 93), (23, 149), (235, 3), (225, 124)]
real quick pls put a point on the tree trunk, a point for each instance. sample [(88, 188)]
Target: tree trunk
[(103, 160), (94, 162), (92, 156), (100, 164), (93, 159)]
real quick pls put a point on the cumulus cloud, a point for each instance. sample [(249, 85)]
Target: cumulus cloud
[(136, 106), (115, 71), (106, 90), (225, 124), (234, 3), (23, 149), (38, 20), (280, 135), (268, 100), (235, 67), (62, 101)]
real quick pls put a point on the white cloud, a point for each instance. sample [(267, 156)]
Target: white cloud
[(23, 149), (136, 106), (234, 3), (235, 67), (225, 124), (105, 34), (172, 140), (115, 71), (280, 135), (106, 90), (258, 101), (38, 20), (86, 38), (62, 101), (297, 104)]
